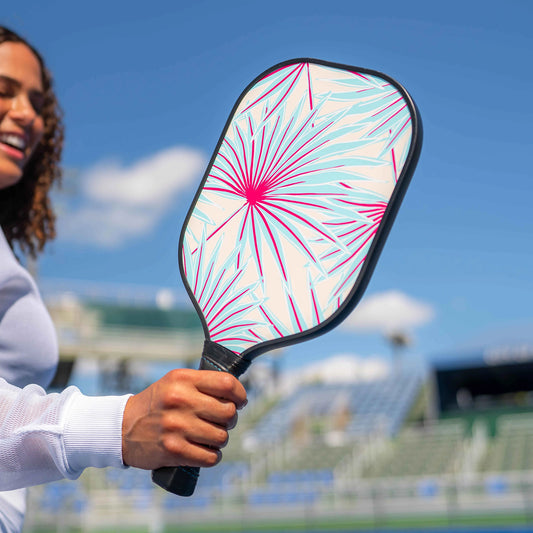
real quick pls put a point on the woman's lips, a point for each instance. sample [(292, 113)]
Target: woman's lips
[(15, 153), (13, 144)]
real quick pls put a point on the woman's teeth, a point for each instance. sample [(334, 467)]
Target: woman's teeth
[(13, 140)]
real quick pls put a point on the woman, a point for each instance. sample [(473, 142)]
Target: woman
[(182, 419)]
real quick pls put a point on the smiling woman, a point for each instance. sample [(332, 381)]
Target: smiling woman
[(31, 139), (181, 420)]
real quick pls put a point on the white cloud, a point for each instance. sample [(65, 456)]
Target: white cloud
[(387, 312), (120, 203), (342, 368)]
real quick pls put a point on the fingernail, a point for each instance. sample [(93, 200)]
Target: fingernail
[(243, 405)]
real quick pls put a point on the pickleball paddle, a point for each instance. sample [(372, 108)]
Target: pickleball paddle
[(293, 211)]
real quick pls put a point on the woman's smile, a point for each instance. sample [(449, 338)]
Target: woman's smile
[(21, 97)]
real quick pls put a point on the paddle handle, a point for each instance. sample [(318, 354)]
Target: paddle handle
[(181, 480)]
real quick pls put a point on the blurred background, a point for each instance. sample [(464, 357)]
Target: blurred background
[(418, 411)]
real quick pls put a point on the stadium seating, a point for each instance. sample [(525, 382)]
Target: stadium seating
[(373, 407), (435, 450), (511, 449)]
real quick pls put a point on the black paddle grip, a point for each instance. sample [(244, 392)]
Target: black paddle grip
[(181, 480)]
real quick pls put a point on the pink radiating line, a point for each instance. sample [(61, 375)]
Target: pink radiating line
[(263, 96), (227, 304), (399, 131), (286, 92), (235, 277), (291, 142), (270, 74), (359, 204), (352, 230), (370, 228), (244, 222), (260, 156), (270, 321), (312, 171), (394, 165), (296, 238), (236, 326), (286, 172), (198, 271), (255, 335), (235, 177), (273, 159), (279, 181), (360, 75), (387, 107), (295, 215), (315, 306), (349, 276), (257, 254), (289, 145), (239, 311), (276, 248), (242, 175), (352, 255), (221, 226), (205, 282), (309, 86), (268, 147), (339, 223), (335, 252), (388, 120), (285, 167), (245, 159), (204, 307), (295, 313), (335, 194), (274, 198), (230, 339), (222, 189), (287, 180)]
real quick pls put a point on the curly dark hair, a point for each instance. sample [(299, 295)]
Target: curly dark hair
[(26, 213)]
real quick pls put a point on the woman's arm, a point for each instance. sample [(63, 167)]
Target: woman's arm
[(46, 437), (182, 419)]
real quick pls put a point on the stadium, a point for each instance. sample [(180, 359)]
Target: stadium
[(445, 449)]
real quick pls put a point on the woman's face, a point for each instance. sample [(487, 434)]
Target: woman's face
[(21, 101)]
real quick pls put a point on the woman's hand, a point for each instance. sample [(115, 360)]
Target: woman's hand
[(182, 419)]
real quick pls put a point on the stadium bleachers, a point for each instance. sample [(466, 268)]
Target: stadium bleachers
[(373, 407), (511, 449), (420, 452)]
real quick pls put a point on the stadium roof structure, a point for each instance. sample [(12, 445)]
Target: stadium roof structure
[(126, 332), (482, 357), (494, 377)]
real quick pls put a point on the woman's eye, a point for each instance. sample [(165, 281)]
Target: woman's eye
[(5, 90)]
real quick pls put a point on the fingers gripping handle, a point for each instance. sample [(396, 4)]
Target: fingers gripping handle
[(181, 480)]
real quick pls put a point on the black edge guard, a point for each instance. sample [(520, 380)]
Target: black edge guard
[(181, 480)]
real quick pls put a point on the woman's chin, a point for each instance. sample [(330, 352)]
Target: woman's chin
[(10, 173)]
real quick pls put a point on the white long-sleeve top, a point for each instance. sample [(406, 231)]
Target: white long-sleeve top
[(43, 437)]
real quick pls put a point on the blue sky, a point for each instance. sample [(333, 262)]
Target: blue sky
[(155, 82)]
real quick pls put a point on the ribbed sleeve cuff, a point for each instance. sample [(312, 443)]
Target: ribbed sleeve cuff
[(93, 432)]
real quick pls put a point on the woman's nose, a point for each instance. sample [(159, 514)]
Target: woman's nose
[(22, 110)]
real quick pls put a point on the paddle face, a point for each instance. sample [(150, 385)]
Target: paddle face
[(293, 210)]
